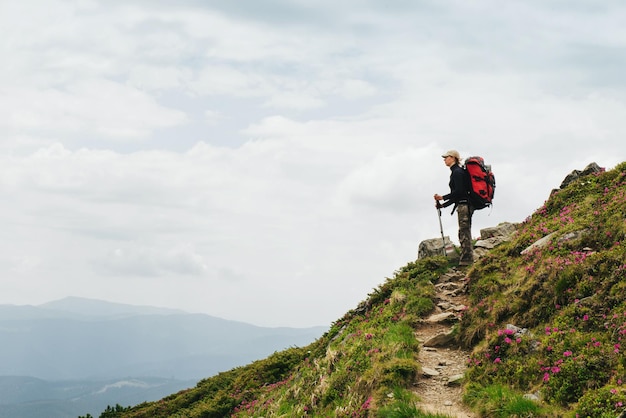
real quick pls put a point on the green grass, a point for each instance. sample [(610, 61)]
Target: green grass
[(496, 400)]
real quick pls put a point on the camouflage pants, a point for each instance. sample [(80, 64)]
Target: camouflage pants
[(465, 212)]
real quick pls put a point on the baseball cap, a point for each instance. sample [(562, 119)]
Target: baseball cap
[(452, 153)]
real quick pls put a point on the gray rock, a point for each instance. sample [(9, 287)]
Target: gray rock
[(428, 372), (441, 340), (451, 276), (504, 229), (517, 331), (480, 252), (490, 243), (434, 246), (455, 380), (492, 237), (445, 305), (533, 396), (576, 174), (539, 243), (443, 317), (571, 236)]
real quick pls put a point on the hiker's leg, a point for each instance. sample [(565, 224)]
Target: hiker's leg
[(465, 233)]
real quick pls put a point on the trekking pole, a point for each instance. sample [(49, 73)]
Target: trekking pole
[(443, 240)]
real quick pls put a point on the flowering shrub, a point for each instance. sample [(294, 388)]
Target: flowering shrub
[(504, 359), (607, 402)]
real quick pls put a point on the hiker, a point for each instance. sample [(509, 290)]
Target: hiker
[(459, 196)]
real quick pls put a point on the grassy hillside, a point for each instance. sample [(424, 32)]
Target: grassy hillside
[(549, 324)]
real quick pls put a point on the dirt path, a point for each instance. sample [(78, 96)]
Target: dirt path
[(443, 364)]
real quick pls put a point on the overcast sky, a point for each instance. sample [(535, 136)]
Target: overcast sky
[(274, 161)]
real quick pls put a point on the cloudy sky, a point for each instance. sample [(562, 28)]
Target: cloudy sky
[(274, 161)]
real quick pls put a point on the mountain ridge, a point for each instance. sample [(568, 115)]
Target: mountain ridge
[(98, 307), (544, 328), (121, 342)]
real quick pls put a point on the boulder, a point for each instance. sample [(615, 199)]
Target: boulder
[(540, 243), (570, 236), (441, 340), (493, 236), (503, 230), (435, 246), (574, 235), (428, 372)]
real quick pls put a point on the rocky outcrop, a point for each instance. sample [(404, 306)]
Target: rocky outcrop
[(543, 242), (576, 174), (540, 243), (492, 237), (435, 246), (489, 238), (503, 230)]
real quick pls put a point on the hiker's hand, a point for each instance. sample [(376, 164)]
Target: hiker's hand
[(438, 197), (437, 204)]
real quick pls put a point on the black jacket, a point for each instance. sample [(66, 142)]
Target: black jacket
[(459, 187)]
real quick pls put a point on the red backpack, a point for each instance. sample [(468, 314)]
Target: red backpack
[(482, 182)]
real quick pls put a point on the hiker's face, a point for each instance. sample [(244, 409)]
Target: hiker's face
[(449, 160)]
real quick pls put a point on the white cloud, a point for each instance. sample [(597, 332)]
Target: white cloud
[(274, 164), (147, 261)]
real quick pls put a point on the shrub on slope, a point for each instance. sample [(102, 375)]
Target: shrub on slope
[(567, 296)]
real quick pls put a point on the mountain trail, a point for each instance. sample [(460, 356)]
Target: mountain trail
[(443, 364)]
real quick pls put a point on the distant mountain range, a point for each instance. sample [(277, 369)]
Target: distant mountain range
[(72, 348)]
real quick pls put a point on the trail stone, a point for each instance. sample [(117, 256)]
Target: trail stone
[(441, 340), (442, 317), (428, 372), (444, 305), (451, 276), (455, 380)]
